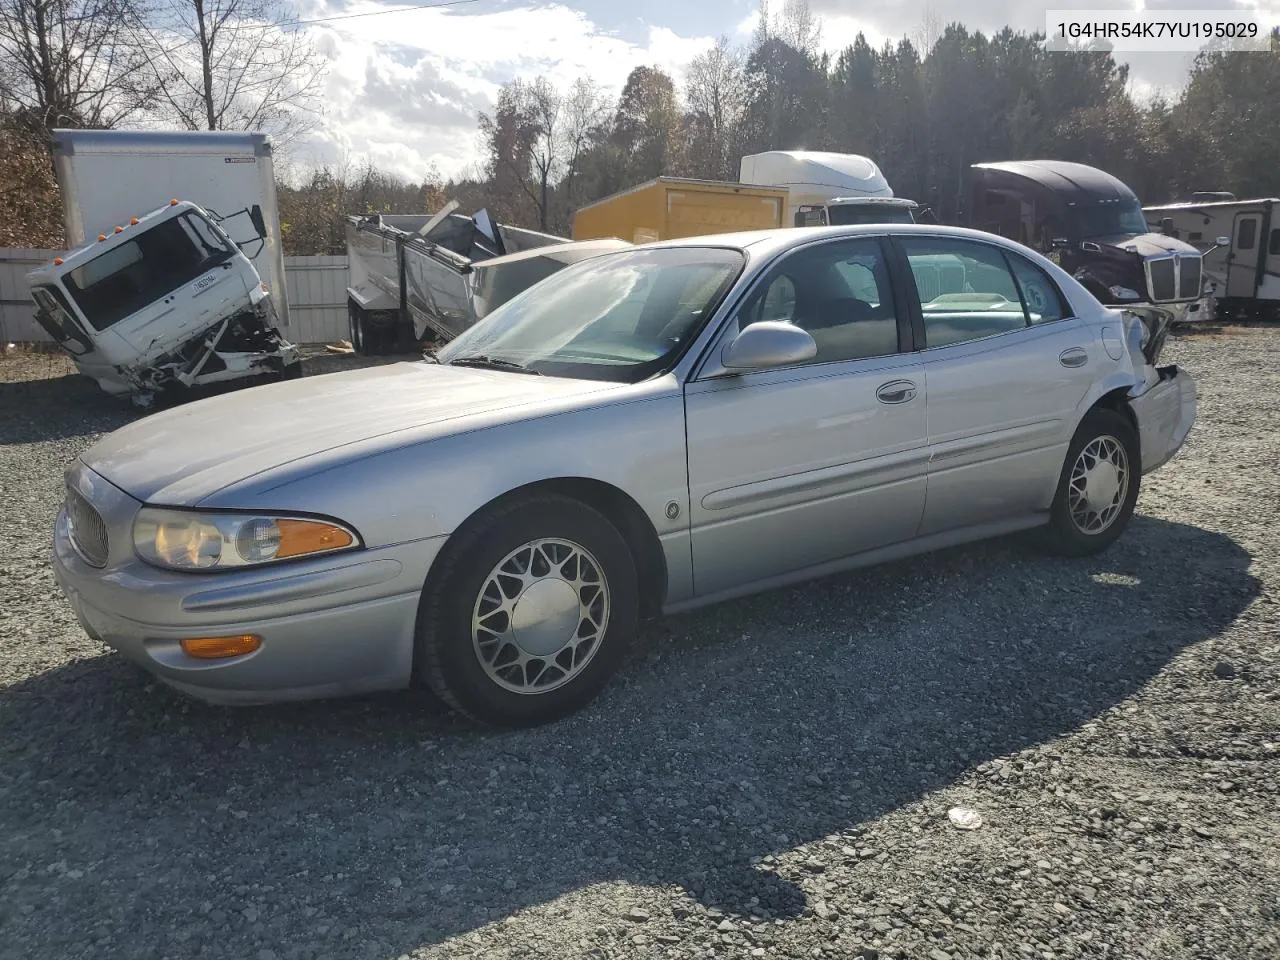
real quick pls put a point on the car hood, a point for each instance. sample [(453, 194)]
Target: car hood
[(181, 456)]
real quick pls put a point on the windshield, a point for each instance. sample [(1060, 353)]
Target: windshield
[(847, 215), (53, 314), (156, 262), (1110, 220), (622, 316)]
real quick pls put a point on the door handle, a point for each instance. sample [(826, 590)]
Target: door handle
[(1073, 357), (896, 391)]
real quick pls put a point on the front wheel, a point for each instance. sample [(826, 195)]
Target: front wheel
[(1098, 487), (529, 614)]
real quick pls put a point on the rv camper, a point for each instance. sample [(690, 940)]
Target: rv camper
[(1093, 226), (839, 189), (1241, 244)]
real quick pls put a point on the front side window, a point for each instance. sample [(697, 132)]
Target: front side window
[(124, 279), (620, 316), (966, 289), (839, 293), (1273, 247), (852, 214)]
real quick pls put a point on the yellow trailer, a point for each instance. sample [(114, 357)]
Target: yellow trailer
[(671, 207)]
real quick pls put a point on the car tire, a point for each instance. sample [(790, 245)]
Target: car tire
[(1104, 453), (504, 655)]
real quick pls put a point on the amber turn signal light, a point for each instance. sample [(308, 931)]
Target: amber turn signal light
[(219, 648), (300, 537)]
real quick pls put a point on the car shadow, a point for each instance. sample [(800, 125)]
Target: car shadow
[(374, 826)]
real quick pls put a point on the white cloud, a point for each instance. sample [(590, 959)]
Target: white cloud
[(404, 89)]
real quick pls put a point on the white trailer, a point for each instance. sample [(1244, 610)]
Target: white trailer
[(828, 188), (1240, 240), (108, 177)]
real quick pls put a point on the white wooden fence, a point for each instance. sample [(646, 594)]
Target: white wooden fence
[(316, 287)]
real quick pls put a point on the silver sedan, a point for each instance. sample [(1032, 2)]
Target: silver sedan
[(646, 431)]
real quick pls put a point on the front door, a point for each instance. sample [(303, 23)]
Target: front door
[(1242, 262), (792, 468), (1006, 366)]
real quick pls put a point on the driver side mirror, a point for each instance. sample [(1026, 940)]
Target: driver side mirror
[(768, 344), (259, 222)]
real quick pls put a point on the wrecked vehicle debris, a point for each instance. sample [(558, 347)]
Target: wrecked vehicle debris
[(416, 277), (161, 305)]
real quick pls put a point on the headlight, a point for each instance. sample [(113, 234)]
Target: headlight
[(190, 540), (1125, 293)]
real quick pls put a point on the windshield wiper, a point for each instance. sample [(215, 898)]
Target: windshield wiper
[(493, 363)]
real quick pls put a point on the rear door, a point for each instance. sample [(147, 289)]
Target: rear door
[(1005, 367), (1242, 264)]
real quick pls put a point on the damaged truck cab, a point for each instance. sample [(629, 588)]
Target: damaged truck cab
[(163, 304)]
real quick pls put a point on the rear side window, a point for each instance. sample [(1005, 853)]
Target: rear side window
[(1274, 246), (1247, 235), (966, 290), (1043, 299)]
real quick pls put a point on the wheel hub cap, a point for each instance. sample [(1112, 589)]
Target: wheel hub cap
[(1099, 485), (540, 616), (545, 617)]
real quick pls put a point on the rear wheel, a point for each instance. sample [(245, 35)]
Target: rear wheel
[(355, 327), (1098, 487), (529, 613)]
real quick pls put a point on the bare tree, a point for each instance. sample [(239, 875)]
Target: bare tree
[(929, 31), (235, 65), (71, 63), (715, 92), (798, 26), (536, 139)]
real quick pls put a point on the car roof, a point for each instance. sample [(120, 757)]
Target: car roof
[(778, 239)]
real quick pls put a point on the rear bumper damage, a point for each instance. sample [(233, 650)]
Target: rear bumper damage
[(1166, 411)]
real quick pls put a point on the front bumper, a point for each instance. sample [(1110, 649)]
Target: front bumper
[(330, 627), (1165, 411)]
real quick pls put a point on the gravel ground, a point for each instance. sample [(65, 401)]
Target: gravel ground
[(768, 778)]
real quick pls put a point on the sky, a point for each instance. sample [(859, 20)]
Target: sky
[(404, 89)]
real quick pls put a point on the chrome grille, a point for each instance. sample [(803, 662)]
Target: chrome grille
[(1189, 277), (1162, 279), (88, 532)]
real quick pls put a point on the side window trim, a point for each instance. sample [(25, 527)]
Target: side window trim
[(1017, 285), (768, 272)]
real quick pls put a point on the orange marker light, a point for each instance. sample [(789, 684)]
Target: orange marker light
[(58, 261), (133, 221), (119, 229), (101, 237), (173, 202), (219, 648), (299, 537)]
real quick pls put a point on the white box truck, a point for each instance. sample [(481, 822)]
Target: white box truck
[(840, 189), (109, 176), (175, 281)]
